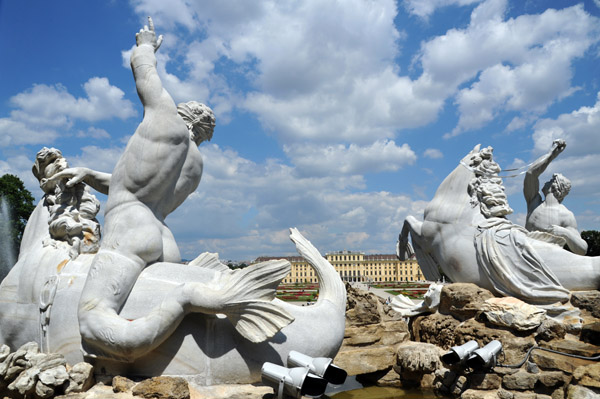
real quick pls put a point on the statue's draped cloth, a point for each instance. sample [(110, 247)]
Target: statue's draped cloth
[(513, 266)]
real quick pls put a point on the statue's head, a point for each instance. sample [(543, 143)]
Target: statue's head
[(199, 119), (48, 162), (558, 185)]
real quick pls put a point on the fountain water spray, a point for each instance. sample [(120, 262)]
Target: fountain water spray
[(7, 249)]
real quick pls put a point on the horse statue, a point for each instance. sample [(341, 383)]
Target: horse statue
[(465, 235)]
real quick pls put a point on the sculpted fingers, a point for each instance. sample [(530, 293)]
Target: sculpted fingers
[(150, 24)]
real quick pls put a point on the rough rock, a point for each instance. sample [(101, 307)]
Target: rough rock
[(554, 361), (365, 360), (485, 381), (437, 329), (81, 378), (418, 357), (588, 376), (521, 381), (55, 376), (384, 333), (463, 300), (122, 384), (513, 313), (590, 333), (550, 329), (477, 394), (553, 379), (362, 307), (579, 392), (231, 392), (162, 388), (588, 300), (371, 335)]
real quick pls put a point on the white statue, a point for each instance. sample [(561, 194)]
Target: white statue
[(550, 215), (430, 303), (131, 307), (465, 235)]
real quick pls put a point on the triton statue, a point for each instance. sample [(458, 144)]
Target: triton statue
[(125, 302)]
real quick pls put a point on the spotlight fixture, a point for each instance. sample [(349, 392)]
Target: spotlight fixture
[(485, 357), (321, 366), (460, 354), (295, 382)]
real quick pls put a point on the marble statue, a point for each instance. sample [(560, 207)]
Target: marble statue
[(549, 215), (120, 297), (405, 306), (465, 235)]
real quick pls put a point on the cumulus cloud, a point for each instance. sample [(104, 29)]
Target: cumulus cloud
[(15, 132), (522, 64), (98, 158), (425, 8), (314, 160), (433, 153), (93, 133), (55, 106), (325, 71), (579, 128), (318, 70), (42, 109)]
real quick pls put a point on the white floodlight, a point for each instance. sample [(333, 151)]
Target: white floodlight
[(295, 382), (321, 366), (460, 354), (486, 356)]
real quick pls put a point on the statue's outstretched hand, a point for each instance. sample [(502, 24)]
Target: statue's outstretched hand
[(558, 146), (72, 175), (557, 230), (148, 36)]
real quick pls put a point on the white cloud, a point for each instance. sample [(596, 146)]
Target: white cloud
[(14, 132), (335, 160), (93, 133), (321, 70), (522, 64), (55, 106), (433, 153), (425, 8), (580, 129), (325, 71), (97, 158)]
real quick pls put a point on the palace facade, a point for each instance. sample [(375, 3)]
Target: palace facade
[(355, 267)]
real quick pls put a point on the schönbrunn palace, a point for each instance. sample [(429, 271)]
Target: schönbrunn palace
[(354, 267)]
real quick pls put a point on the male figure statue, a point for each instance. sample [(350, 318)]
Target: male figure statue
[(550, 215), (159, 168)]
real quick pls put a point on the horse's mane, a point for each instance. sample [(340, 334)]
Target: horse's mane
[(472, 191)]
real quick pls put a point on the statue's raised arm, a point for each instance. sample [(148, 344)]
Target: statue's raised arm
[(531, 184), (143, 65)]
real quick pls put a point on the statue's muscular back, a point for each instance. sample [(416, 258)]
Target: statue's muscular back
[(543, 215)]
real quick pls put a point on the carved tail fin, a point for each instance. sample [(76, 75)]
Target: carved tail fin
[(250, 291), (331, 286)]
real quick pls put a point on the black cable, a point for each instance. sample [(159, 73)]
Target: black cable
[(516, 366)]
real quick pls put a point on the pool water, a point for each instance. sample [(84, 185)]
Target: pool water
[(375, 392)]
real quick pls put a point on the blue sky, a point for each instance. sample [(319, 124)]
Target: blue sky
[(339, 118)]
